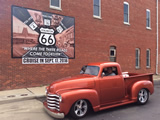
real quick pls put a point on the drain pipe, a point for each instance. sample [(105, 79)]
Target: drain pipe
[(157, 42)]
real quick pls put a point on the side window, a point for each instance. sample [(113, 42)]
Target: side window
[(55, 4), (126, 13), (97, 8), (112, 53), (137, 58), (148, 19), (109, 71), (148, 65)]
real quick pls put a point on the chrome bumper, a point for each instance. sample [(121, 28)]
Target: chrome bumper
[(55, 115)]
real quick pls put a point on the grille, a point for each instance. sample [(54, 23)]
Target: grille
[(53, 102)]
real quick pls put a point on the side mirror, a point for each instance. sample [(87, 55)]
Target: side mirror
[(83, 69), (81, 72), (103, 74)]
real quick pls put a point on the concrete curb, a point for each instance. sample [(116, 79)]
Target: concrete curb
[(16, 99), (15, 95), (156, 82)]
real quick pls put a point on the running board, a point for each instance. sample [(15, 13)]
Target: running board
[(116, 105)]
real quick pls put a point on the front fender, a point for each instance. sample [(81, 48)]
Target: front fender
[(71, 96), (138, 86)]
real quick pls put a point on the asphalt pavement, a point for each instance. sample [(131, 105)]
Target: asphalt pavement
[(33, 110)]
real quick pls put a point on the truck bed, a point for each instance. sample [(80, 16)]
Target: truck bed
[(137, 77), (134, 77)]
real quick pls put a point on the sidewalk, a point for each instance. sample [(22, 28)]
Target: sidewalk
[(156, 79), (8, 96)]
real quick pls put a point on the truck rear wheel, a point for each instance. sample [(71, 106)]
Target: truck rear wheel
[(143, 96), (79, 109)]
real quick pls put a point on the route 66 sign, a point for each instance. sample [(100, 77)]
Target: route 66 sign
[(46, 37)]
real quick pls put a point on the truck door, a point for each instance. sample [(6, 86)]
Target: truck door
[(111, 86)]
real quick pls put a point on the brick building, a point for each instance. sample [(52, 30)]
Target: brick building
[(124, 31)]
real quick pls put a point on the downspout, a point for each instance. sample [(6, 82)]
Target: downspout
[(157, 42)]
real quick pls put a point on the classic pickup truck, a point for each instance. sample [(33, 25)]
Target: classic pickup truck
[(99, 86)]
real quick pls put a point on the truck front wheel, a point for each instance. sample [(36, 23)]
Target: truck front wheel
[(79, 109), (143, 96)]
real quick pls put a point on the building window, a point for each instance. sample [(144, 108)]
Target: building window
[(137, 58), (55, 4), (126, 13), (97, 8), (113, 54), (148, 19), (148, 58)]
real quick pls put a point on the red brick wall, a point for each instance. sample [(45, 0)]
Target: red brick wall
[(93, 38)]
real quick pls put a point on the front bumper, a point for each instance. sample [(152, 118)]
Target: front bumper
[(54, 114)]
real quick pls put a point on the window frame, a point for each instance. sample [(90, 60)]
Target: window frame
[(148, 59), (55, 7), (113, 48), (148, 19), (126, 3), (137, 66), (95, 16)]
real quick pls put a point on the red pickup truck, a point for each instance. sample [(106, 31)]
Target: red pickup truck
[(100, 86)]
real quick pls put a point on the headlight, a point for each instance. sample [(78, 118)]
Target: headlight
[(60, 98)]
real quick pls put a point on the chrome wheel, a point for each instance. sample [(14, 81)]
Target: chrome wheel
[(143, 96), (80, 108)]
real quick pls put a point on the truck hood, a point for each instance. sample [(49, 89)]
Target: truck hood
[(75, 82)]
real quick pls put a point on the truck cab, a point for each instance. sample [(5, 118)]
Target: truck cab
[(99, 85)]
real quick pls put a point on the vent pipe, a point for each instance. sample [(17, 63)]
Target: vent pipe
[(157, 43)]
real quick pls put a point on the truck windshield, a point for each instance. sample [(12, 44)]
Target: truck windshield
[(91, 70)]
